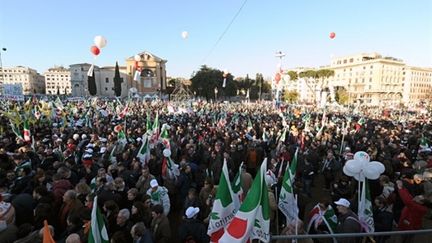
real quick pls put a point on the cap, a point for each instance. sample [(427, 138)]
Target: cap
[(83, 136), (87, 156), (90, 145), (103, 140), (89, 151), (343, 202), (154, 183), (191, 212), (102, 150), (75, 136)]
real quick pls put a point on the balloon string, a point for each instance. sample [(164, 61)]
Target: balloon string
[(224, 32)]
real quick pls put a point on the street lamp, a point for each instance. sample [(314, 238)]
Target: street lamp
[(280, 55), (216, 92), (2, 72)]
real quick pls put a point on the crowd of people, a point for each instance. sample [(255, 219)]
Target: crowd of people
[(75, 155)]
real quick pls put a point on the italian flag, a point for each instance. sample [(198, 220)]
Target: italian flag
[(236, 187), (155, 128), (149, 129), (318, 216), (164, 136), (365, 209), (252, 221), (27, 136), (287, 202), (224, 207), (124, 112), (169, 168), (98, 232), (144, 152)]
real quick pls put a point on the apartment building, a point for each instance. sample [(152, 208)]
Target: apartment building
[(58, 81)]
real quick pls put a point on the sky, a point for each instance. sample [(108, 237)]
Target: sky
[(42, 34)]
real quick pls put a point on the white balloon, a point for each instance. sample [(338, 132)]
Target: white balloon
[(100, 41), (347, 171), (167, 153), (362, 156), (373, 170), (353, 166), (378, 166), (137, 58), (371, 173), (185, 34)]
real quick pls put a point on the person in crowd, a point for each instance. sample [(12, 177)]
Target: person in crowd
[(348, 221), (159, 196), (191, 229), (160, 225), (140, 233), (412, 214)]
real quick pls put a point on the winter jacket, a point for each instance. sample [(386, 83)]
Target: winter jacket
[(193, 229), (348, 223), (412, 214), (161, 229), (160, 196)]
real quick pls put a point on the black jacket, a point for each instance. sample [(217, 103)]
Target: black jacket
[(193, 229)]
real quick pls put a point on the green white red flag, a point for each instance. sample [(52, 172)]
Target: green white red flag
[(224, 208), (252, 221)]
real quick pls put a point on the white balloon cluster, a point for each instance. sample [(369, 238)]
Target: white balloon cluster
[(360, 167)]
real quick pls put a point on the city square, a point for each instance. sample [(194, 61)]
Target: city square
[(230, 121)]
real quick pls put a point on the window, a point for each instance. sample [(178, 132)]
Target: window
[(106, 80), (106, 89), (351, 60), (345, 61)]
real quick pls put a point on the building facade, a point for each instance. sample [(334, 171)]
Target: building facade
[(152, 73), (30, 80), (58, 81), (417, 86), (374, 80), (104, 77), (368, 78)]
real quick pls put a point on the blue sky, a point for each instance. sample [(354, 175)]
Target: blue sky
[(41, 34)]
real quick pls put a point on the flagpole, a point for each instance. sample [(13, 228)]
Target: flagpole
[(296, 221), (277, 211)]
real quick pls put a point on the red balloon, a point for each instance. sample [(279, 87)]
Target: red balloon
[(332, 35), (95, 50), (277, 77)]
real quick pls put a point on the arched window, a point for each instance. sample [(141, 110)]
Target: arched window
[(147, 73)]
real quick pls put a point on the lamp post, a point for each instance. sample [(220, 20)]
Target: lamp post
[(280, 55), (216, 92), (2, 72)]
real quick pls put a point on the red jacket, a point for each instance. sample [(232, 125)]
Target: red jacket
[(412, 214)]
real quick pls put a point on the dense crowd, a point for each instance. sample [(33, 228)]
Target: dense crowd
[(75, 155)]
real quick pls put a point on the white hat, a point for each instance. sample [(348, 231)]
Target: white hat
[(75, 136), (83, 136), (191, 212), (89, 151), (89, 145), (102, 150), (154, 183), (87, 156), (103, 140), (343, 202)]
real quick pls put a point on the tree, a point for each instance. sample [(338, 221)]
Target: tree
[(117, 81), (92, 84), (341, 96), (293, 75), (291, 96), (207, 79)]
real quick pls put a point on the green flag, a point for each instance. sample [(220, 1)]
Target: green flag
[(98, 232)]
